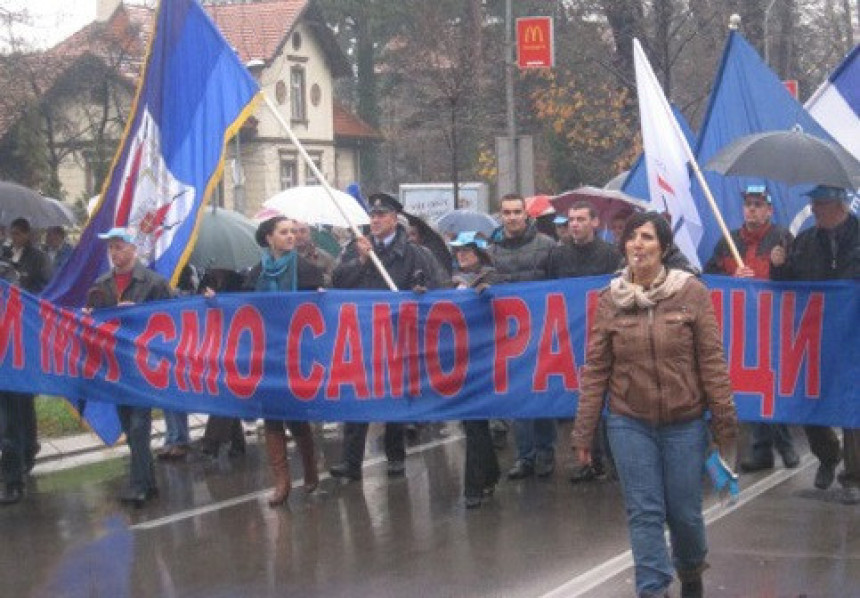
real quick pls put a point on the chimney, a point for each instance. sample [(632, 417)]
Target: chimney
[(105, 9)]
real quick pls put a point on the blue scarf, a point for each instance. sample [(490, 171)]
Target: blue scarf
[(278, 274)]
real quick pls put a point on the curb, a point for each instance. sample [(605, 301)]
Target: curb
[(56, 449)]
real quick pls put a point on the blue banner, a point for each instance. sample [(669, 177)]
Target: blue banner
[(513, 351)]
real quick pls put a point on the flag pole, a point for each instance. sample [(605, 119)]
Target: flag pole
[(700, 177), (304, 154)]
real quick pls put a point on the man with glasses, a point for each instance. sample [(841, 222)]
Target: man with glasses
[(755, 240)]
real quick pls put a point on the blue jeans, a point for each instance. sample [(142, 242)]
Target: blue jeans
[(535, 439), (177, 428), (661, 469), (136, 423)]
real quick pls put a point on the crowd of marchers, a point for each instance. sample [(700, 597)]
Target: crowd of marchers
[(655, 394)]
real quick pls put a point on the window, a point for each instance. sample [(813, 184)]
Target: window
[(218, 194), (298, 108), (95, 171), (288, 172), (310, 178), (281, 92)]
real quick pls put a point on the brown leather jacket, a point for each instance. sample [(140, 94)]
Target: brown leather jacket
[(661, 365)]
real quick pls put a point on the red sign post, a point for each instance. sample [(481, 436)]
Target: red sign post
[(535, 48)]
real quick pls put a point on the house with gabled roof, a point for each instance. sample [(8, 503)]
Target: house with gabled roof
[(288, 47)]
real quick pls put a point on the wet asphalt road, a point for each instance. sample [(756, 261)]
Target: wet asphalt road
[(211, 534)]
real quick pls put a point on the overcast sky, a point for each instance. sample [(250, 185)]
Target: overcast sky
[(52, 20)]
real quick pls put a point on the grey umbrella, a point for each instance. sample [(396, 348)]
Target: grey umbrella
[(457, 221), (792, 157), (225, 240), (17, 201), (616, 182)]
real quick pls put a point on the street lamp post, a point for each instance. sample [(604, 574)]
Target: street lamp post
[(766, 29), (509, 94)]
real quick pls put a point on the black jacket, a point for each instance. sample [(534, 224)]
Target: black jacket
[(407, 264), (521, 258), (33, 268), (816, 254), (569, 260)]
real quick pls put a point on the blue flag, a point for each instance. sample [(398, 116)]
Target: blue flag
[(193, 95), (747, 98)]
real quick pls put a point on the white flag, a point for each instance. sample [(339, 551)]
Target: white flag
[(836, 104), (666, 159)]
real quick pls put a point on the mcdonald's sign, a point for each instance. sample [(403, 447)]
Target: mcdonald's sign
[(535, 48)]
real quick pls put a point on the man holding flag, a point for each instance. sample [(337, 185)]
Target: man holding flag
[(129, 283), (193, 96)]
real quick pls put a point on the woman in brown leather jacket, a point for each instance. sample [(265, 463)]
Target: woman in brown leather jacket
[(655, 352)]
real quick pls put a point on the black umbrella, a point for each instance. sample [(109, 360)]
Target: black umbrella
[(17, 201), (432, 241), (792, 157)]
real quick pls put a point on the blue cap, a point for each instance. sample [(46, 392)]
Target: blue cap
[(760, 190), (560, 219), (467, 238), (119, 232), (827, 193)]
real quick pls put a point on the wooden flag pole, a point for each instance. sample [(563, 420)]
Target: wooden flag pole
[(304, 154)]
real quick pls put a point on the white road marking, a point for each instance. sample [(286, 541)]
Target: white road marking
[(238, 500), (597, 576)]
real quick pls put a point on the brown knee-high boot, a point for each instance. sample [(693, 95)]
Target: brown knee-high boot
[(304, 437), (279, 461)]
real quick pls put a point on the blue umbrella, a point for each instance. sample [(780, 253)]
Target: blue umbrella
[(457, 221)]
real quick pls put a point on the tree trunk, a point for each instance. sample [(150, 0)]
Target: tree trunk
[(368, 101), (455, 149), (660, 45), (625, 18)]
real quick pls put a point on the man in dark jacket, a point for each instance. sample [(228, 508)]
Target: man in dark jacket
[(18, 436), (410, 267), (129, 282), (584, 254), (829, 251), (520, 253), (754, 241)]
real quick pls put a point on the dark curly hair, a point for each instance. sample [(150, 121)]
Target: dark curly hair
[(266, 228)]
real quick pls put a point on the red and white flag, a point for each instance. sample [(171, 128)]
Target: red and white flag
[(666, 159)]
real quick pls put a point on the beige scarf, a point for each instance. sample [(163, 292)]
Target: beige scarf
[(625, 293)]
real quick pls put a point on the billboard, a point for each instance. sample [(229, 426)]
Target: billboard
[(432, 200), (535, 47)]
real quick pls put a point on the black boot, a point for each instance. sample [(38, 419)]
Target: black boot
[(11, 494), (691, 582), (692, 589)]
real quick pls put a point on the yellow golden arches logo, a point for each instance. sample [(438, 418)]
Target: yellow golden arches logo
[(533, 35)]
